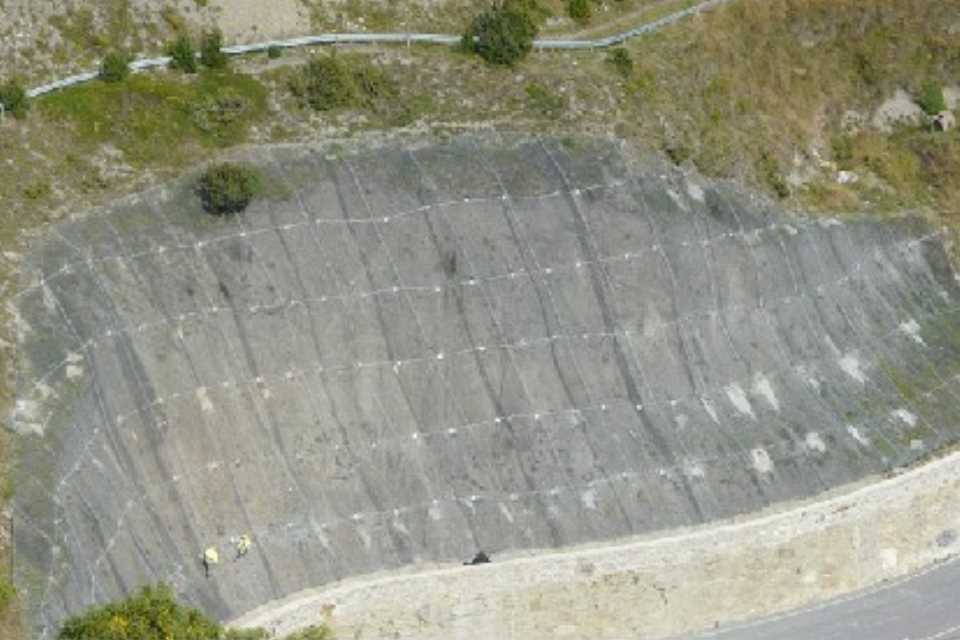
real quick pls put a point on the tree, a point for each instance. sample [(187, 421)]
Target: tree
[(115, 67), (501, 35), (211, 50), (579, 10), (151, 614), (183, 55), (228, 188), (14, 99)]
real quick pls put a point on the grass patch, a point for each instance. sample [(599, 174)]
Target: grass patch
[(158, 118), (544, 102)]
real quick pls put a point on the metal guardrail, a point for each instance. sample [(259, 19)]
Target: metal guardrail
[(391, 38)]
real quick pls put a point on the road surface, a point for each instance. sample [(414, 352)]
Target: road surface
[(922, 607)]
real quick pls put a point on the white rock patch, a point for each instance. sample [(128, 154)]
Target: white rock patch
[(904, 416), (677, 199), (761, 461), (709, 408), (889, 558), (695, 191), (693, 469), (506, 513), (912, 329), (738, 398), (762, 387), (851, 366), (856, 435), (589, 499), (205, 403), (814, 442)]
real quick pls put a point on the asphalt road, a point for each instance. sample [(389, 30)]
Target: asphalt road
[(921, 607)]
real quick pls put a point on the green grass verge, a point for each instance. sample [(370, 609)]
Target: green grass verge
[(161, 118)]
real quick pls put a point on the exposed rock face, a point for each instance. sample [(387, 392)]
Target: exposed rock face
[(422, 352), (899, 109)]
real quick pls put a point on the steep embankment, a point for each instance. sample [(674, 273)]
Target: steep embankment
[(409, 354)]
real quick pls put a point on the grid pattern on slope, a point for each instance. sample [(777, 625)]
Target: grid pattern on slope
[(538, 271)]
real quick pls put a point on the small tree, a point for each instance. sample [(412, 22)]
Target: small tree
[(183, 55), (500, 35), (115, 67), (621, 60), (931, 98), (274, 51), (211, 50), (152, 614), (228, 188), (14, 99), (579, 10)]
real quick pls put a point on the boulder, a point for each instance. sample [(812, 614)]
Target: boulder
[(944, 121)]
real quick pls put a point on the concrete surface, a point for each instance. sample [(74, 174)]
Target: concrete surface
[(406, 355), (671, 583)]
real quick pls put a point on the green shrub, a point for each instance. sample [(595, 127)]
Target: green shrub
[(183, 55), (579, 10), (14, 99), (324, 83), (7, 593), (541, 100), (211, 50), (769, 168), (533, 9), (330, 81), (115, 67), (620, 59), (931, 98), (151, 614), (274, 51), (37, 190), (228, 188), (841, 147), (500, 35)]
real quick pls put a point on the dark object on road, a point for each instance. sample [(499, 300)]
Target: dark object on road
[(480, 558)]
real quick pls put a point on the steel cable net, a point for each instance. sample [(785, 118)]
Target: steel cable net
[(411, 353)]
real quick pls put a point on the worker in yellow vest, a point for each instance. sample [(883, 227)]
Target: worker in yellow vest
[(211, 557)]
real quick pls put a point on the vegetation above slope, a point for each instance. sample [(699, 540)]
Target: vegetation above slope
[(154, 614)]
